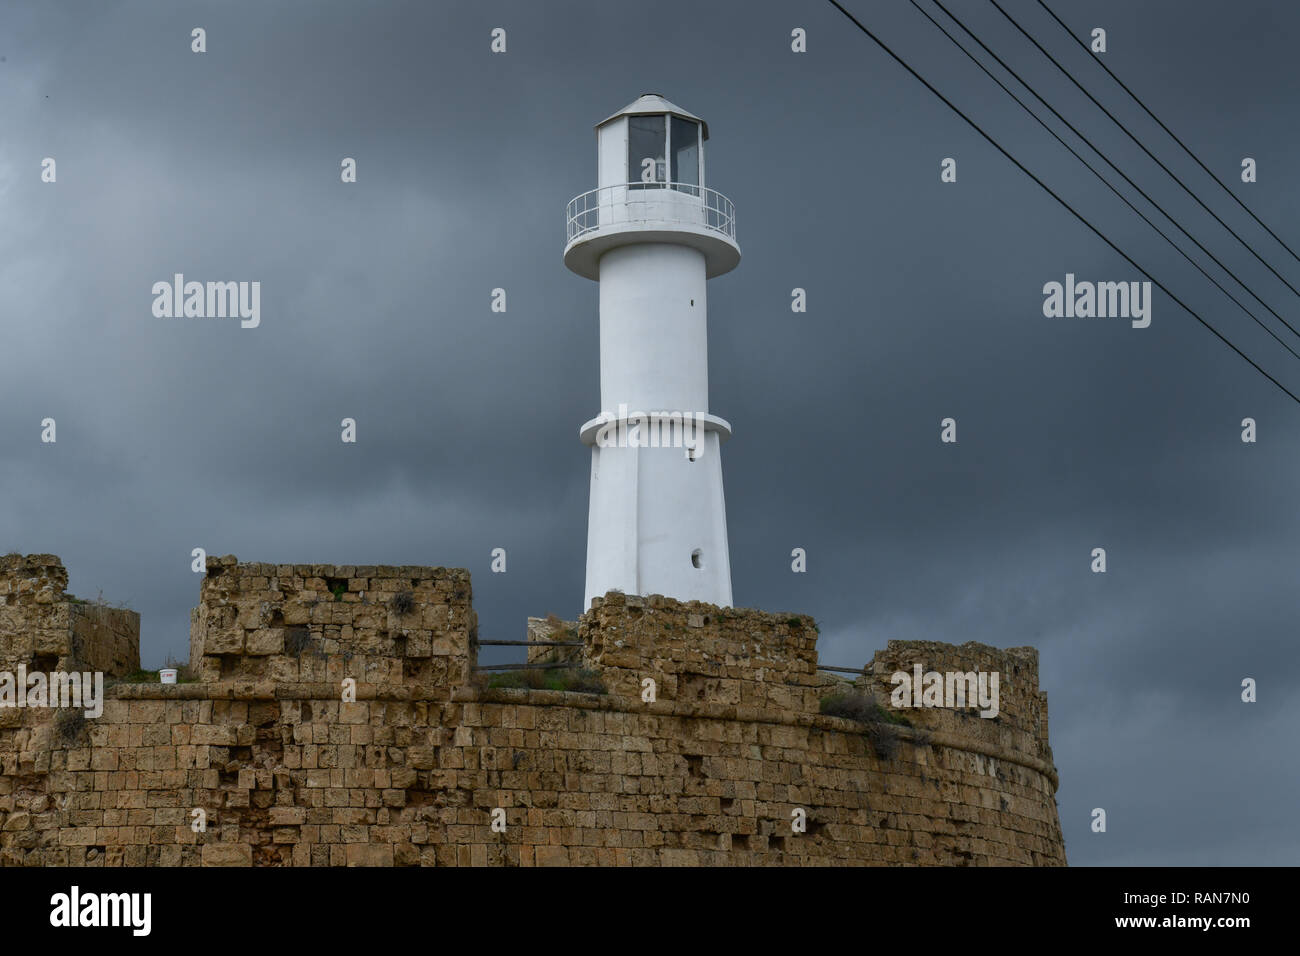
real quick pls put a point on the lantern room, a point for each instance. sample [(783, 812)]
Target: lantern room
[(652, 144), (650, 188)]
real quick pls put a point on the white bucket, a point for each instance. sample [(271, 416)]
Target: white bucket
[(167, 675)]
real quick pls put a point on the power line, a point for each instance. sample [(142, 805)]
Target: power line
[(1143, 148), (1091, 169), (1185, 147), (975, 126)]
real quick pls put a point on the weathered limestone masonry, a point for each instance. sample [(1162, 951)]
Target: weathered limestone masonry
[(1020, 728), (47, 629), (706, 774), (699, 653), (387, 626)]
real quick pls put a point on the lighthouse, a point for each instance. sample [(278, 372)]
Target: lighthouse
[(651, 233)]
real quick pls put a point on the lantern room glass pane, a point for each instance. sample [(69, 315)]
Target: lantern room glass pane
[(647, 139), (686, 152)]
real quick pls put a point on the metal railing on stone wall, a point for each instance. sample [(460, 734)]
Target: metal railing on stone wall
[(519, 667)]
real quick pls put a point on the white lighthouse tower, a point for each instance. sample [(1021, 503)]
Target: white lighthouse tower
[(651, 233)]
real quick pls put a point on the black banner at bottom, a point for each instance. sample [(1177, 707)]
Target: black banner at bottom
[(940, 907)]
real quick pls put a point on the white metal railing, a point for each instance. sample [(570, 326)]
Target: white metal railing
[(632, 202)]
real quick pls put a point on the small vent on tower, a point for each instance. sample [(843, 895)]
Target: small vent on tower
[(697, 559)]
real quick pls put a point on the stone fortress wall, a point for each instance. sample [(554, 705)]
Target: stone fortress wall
[(286, 771), (45, 628)]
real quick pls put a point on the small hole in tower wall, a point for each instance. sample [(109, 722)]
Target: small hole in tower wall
[(697, 559)]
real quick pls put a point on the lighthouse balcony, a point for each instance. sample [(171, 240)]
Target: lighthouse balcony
[(682, 213)]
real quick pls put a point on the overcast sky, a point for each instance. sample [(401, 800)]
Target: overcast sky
[(924, 302)]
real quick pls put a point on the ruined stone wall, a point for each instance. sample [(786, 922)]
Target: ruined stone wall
[(1019, 728), (315, 622), (702, 653), (410, 773), (43, 628), (543, 632)]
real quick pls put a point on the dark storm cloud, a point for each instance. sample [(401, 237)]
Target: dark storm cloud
[(924, 302)]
